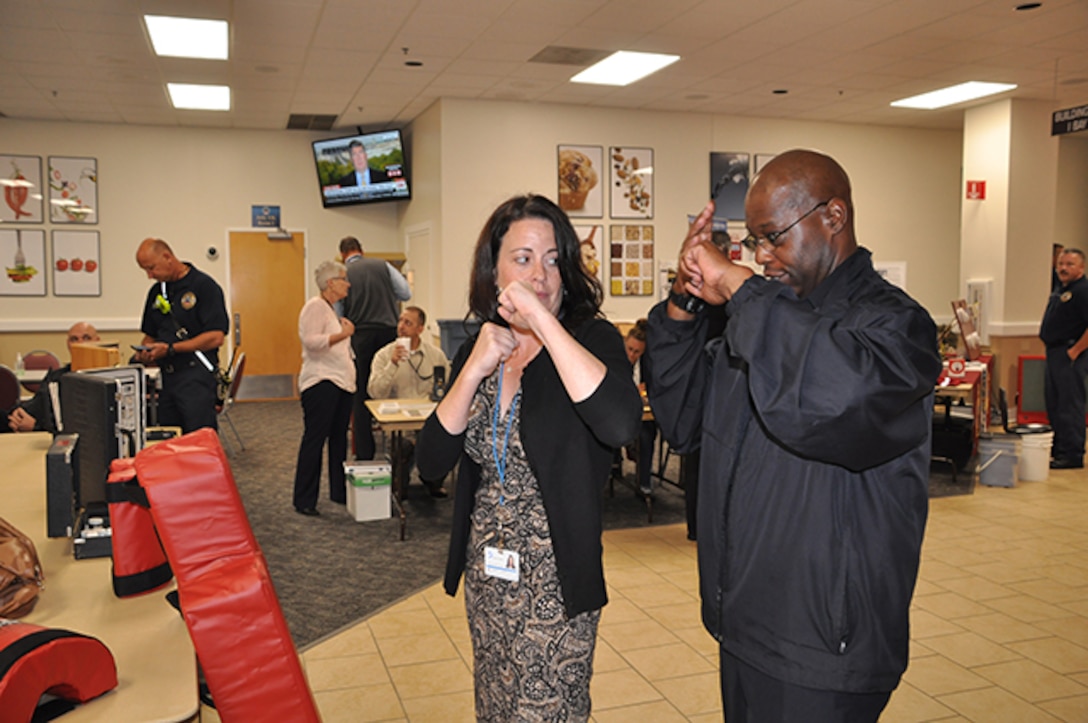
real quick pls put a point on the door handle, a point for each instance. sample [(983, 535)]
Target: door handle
[(237, 329)]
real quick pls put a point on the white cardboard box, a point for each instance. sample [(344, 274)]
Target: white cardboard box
[(370, 486)]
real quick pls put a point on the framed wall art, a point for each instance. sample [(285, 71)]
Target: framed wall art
[(21, 180), (73, 190), (23, 252), (631, 259), (580, 172), (729, 185), (632, 182), (76, 263), (591, 240), (761, 160)]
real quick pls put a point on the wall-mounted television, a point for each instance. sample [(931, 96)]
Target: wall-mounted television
[(363, 168)]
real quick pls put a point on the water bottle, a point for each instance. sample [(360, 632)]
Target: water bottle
[(20, 367)]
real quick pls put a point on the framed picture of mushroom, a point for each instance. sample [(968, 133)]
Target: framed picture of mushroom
[(73, 190), (21, 179), (23, 252), (632, 182), (76, 267), (631, 259), (591, 241), (580, 174)]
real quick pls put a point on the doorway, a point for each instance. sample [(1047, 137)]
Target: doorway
[(267, 291)]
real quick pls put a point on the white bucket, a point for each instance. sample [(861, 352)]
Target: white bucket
[(997, 461), (1035, 456)]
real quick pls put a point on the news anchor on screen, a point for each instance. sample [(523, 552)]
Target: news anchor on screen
[(362, 174)]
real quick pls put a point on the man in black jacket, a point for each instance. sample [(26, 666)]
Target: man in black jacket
[(813, 416)]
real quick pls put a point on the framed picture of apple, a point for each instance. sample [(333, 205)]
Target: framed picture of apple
[(76, 269)]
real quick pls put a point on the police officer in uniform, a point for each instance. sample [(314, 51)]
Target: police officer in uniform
[(1065, 332), (184, 324)]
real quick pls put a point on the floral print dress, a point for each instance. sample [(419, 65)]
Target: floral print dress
[(531, 662)]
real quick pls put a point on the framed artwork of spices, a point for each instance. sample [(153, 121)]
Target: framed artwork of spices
[(632, 182), (73, 190), (76, 267), (21, 179), (631, 260), (23, 252)]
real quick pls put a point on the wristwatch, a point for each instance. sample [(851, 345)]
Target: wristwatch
[(686, 302), (170, 349)]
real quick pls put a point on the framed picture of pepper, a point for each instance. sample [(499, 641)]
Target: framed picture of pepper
[(73, 190), (21, 178), (76, 268)]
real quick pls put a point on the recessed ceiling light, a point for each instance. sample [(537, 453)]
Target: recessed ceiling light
[(188, 96), (624, 67), (951, 95), (188, 37)]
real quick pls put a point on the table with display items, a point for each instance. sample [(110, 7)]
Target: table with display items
[(395, 417), (156, 665)]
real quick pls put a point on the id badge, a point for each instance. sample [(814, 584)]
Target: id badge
[(503, 564)]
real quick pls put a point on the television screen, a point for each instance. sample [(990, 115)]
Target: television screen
[(363, 168)]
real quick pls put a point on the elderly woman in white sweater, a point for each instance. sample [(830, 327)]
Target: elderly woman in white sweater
[(326, 384)]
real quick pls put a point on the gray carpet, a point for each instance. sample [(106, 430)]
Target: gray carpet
[(330, 571)]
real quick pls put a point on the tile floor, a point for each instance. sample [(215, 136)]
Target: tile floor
[(1000, 627)]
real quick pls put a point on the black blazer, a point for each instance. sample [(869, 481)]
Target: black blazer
[(570, 448)]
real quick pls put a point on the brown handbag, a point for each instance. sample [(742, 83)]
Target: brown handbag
[(21, 577)]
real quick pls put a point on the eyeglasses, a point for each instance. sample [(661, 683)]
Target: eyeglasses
[(769, 242)]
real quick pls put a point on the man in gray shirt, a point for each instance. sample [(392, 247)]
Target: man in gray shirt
[(372, 305)]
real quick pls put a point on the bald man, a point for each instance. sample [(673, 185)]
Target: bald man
[(812, 412), (184, 324), (36, 413)]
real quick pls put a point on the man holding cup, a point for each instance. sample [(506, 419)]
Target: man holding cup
[(409, 368)]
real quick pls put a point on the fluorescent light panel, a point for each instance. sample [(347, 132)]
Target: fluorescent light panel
[(188, 37), (961, 93), (187, 96), (624, 67)]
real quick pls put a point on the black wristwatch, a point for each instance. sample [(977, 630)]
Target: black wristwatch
[(686, 302), (170, 349)]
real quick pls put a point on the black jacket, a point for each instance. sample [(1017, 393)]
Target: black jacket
[(570, 449), (814, 419)]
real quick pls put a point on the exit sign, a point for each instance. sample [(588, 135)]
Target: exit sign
[(976, 190)]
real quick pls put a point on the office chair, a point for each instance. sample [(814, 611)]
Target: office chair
[(224, 412), (39, 359)]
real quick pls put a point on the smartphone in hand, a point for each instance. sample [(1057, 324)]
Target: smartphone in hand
[(140, 347)]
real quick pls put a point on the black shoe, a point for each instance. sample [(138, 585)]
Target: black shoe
[(308, 511), (1066, 463)]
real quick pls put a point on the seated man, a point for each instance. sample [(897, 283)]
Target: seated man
[(407, 372), (635, 345), (36, 414)]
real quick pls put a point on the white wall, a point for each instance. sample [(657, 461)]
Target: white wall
[(906, 181), (189, 186)]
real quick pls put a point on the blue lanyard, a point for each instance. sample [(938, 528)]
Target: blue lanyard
[(500, 464)]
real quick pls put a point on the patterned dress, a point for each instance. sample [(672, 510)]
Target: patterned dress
[(532, 663)]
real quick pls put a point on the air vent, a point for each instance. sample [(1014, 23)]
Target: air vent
[(310, 122), (558, 55)]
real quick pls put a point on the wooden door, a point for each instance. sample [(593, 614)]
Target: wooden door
[(267, 291)]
